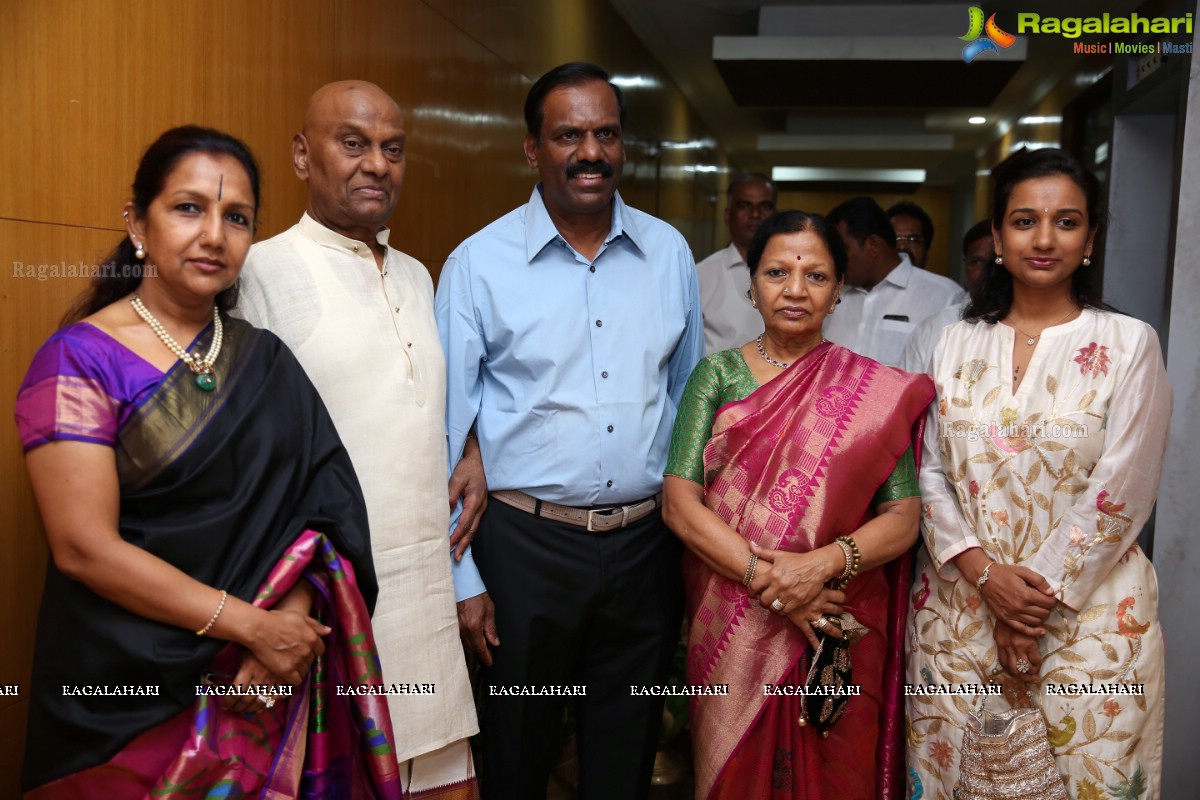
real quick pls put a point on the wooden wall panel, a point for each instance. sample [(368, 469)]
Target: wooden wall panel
[(263, 62), (36, 265), (113, 75), (12, 746), (462, 115), (533, 35), (463, 99)]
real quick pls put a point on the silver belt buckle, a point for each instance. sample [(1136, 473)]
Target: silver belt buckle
[(610, 515)]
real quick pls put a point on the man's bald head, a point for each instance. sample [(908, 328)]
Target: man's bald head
[(351, 154), (333, 98)]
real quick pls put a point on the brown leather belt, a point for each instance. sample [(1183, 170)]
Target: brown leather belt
[(596, 519)]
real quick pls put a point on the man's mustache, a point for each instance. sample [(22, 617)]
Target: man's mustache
[(604, 169)]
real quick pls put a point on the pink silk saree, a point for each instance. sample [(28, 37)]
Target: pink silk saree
[(792, 467)]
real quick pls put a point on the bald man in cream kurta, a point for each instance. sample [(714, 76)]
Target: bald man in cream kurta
[(366, 336)]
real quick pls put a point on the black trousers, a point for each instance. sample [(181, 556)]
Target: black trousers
[(573, 608)]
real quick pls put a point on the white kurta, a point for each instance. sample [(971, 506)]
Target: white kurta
[(368, 340), (1060, 478)]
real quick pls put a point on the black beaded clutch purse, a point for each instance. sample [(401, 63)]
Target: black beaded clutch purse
[(829, 684), (826, 692)]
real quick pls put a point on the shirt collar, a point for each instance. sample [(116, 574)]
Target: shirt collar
[(330, 238), (902, 273), (540, 229), (733, 258)]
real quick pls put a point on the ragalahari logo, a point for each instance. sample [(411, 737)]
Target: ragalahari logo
[(993, 38)]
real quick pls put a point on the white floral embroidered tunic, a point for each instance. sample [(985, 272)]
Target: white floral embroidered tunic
[(1059, 477)]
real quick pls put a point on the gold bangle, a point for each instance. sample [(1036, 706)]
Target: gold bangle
[(217, 613), (750, 568), (848, 554), (852, 572)]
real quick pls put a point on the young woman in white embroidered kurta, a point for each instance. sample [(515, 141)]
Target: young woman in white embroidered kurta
[(1043, 455)]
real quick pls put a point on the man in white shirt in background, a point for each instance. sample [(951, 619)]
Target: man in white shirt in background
[(885, 296), (914, 231), (977, 252), (729, 319)]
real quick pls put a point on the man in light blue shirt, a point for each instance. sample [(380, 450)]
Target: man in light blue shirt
[(570, 326)]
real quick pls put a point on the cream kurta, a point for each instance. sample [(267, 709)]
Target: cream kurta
[(368, 340), (1058, 478)]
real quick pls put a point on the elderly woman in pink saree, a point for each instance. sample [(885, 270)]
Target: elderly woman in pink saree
[(782, 447)]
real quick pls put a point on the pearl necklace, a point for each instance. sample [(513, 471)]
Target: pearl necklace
[(206, 379), (762, 351)]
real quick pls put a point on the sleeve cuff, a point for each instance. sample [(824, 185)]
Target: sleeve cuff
[(944, 560), (467, 582)]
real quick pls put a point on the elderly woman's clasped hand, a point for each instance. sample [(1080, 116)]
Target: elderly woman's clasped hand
[(798, 582)]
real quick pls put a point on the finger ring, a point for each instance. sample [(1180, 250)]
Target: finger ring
[(1022, 665), (820, 622), (267, 701), (777, 604)]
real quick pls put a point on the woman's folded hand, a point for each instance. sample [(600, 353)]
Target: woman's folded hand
[(828, 604), (287, 642), (252, 672), (1019, 597), (794, 579), (1017, 653)]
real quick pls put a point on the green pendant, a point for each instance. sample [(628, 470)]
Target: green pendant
[(206, 381)]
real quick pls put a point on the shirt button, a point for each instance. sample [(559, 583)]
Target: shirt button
[(592, 269), (354, 248), (599, 323), (610, 429), (408, 345), (604, 374), (610, 484), (396, 309)]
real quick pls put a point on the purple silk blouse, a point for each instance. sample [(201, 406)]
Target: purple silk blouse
[(82, 385)]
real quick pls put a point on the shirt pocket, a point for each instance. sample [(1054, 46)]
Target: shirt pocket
[(890, 339)]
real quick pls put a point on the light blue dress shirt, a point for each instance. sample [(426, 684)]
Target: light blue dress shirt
[(570, 370)]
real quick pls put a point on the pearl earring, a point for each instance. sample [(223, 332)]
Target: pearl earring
[(139, 251), (1087, 261), (1000, 260)]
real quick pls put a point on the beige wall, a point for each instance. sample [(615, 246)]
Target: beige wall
[(87, 85)]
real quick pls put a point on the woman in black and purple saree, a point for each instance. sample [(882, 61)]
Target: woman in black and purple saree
[(205, 627)]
